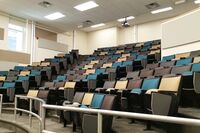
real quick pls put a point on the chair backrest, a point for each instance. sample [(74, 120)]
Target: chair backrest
[(49, 84), (19, 68), (32, 93), (168, 64), (3, 73), (134, 84), (152, 66), (108, 102), (168, 58), (195, 53), (109, 84), (117, 64), (146, 73), (107, 65), (78, 97), (35, 63), (132, 74), (150, 83), (182, 62), (2, 78), (120, 85), (87, 99), (70, 85), (45, 63), (90, 71), (162, 71), (182, 55), (94, 62), (196, 59), (43, 94), (121, 59), (195, 67), (112, 69), (23, 78), (92, 77), (97, 100), (180, 69), (100, 71), (59, 84), (127, 63), (61, 78), (24, 73), (9, 84), (90, 66), (170, 83)]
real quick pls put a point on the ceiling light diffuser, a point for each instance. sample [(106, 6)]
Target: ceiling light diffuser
[(86, 6), (161, 10), (127, 18), (97, 25), (54, 16), (197, 1)]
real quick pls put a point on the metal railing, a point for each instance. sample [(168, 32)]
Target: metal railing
[(29, 111), (100, 113), (1, 103), (43, 106)]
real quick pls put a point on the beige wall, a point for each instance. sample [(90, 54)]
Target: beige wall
[(81, 42), (126, 35), (102, 38)]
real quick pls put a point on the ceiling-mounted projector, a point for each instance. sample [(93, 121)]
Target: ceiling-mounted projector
[(125, 23)]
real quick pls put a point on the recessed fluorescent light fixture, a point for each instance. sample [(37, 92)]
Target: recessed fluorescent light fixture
[(127, 18), (162, 10), (86, 6), (97, 25), (179, 2), (197, 1), (55, 16)]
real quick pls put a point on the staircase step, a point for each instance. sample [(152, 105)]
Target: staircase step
[(4, 130)]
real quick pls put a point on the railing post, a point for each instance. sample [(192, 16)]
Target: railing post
[(30, 109), (1, 98), (100, 118), (43, 112), (15, 108)]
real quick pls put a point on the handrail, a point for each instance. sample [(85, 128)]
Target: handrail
[(1, 102), (99, 112), (30, 112)]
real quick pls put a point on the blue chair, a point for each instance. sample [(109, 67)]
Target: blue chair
[(183, 62), (91, 77), (168, 58), (149, 43), (195, 68), (8, 85), (60, 78), (100, 71), (141, 57), (3, 73), (97, 101), (117, 64), (146, 85), (19, 68), (23, 78), (127, 63), (35, 73)]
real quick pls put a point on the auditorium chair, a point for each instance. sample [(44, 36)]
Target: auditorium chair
[(152, 66), (132, 75), (19, 68), (160, 71), (183, 62), (3, 73), (107, 84), (22, 82), (42, 94), (182, 56), (37, 76), (119, 86), (168, 58), (168, 86), (136, 97), (146, 73), (180, 69), (196, 59), (67, 115), (47, 85), (89, 124), (167, 63), (8, 91), (195, 53), (2, 78)]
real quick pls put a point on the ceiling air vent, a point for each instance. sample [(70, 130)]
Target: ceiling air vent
[(152, 5), (45, 4), (86, 23)]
